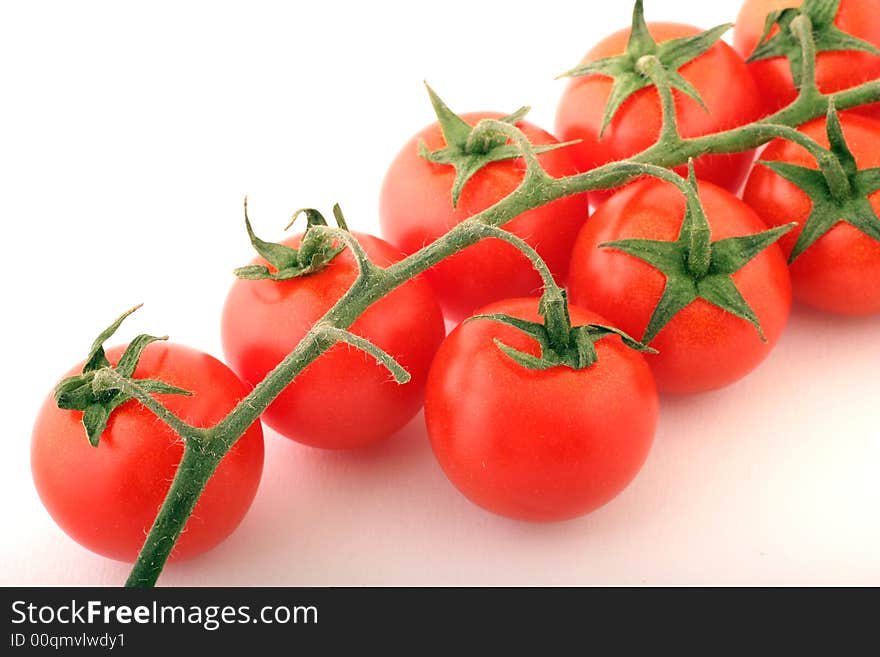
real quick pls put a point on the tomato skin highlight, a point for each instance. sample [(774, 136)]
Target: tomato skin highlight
[(106, 497), (835, 70), (636, 125), (703, 347), (838, 273), (344, 399), (537, 445), (416, 209)]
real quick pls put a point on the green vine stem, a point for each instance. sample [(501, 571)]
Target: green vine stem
[(193, 473), (205, 447)]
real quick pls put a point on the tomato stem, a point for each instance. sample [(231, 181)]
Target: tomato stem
[(132, 389), (554, 307), (699, 235), (469, 149), (317, 249), (802, 29), (651, 66), (193, 473), (335, 335), (836, 178)]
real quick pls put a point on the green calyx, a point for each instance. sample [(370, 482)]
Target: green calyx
[(468, 150), (561, 343), (629, 74), (315, 252), (97, 394), (696, 267), (838, 189), (826, 35)]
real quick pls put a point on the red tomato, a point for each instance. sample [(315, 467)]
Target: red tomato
[(345, 399), (702, 347), (537, 445), (106, 497), (416, 209), (839, 272), (835, 70), (636, 125)]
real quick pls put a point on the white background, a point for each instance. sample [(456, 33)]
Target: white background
[(130, 134)]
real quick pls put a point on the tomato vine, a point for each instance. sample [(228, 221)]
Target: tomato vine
[(206, 447)]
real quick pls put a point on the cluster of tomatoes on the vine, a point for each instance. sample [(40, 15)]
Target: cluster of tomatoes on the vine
[(530, 440)]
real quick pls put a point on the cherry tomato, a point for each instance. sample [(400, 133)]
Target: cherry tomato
[(702, 347), (835, 70), (720, 77), (106, 497), (416, 209), (537, 444), (839, 272), (345, 399)]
